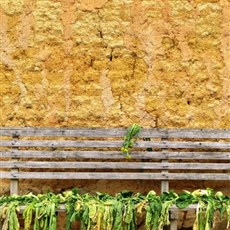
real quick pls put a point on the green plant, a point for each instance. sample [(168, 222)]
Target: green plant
[(105, 212), (130, 139)]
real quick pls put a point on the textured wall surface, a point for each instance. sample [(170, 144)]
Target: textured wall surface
[(110, 63)]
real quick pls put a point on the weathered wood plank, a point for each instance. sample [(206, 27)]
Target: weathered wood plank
[(114, 144), (191, 206), (64, 132), (115, 154), (115, 176), (116, 132), (115, 165)]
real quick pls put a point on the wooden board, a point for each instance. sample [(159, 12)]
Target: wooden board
[(116, 132), (116, 154), (115, 165), (116, 176), (115, 144)]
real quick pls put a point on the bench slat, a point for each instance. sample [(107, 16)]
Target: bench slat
[(115, 155), (116, 132), (118, 144), (115, 176), (115, 165), (64, 132)]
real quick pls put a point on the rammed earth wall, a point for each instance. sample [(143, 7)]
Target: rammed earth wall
[(110, 63)]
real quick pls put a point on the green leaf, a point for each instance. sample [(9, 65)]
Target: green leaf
[(27, 215), (130, 138), (118, 216)]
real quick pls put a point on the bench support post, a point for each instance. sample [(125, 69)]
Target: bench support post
[(174, 217), (164, 183), (13, 185), (165, 188), (173, 225), (14, 182)]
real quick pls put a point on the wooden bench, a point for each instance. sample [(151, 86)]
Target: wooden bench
[(95, 153)]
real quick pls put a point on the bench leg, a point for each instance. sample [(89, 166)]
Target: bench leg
[(174, 217), (173, 225), (13, 186)]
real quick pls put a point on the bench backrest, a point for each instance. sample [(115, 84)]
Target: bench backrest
[(95, 153)]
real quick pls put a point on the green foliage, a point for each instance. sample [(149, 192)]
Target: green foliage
[(105, 212), (130, 139)]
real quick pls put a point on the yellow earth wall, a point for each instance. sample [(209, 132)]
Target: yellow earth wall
[(110, 63), (107, 63)]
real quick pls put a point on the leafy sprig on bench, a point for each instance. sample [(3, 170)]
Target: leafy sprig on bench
[(130, 139)]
